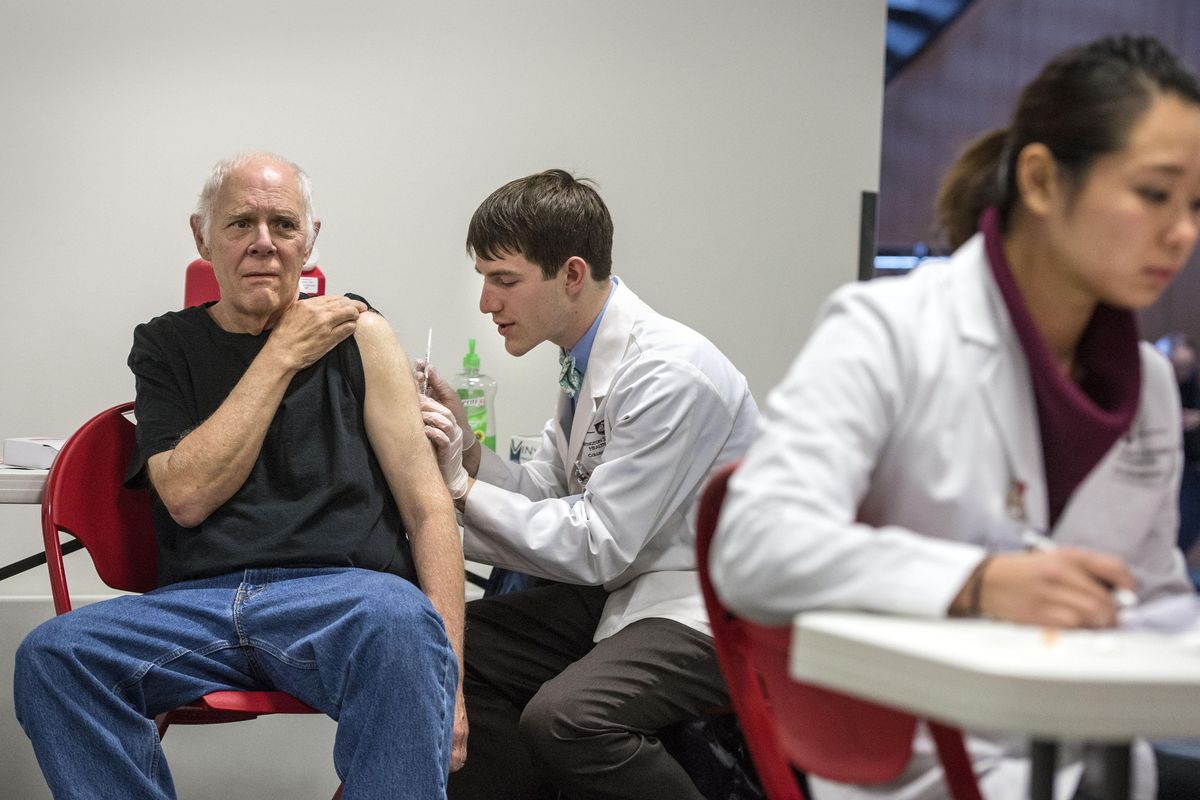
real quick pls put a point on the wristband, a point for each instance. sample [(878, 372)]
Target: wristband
[(975, 606)]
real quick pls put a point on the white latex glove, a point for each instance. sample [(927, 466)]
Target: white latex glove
[(446, 437)]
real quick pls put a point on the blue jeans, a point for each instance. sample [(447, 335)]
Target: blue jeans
[(364, 647)]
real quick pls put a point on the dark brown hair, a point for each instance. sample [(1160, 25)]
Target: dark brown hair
[(547, 218), (1081, 106)]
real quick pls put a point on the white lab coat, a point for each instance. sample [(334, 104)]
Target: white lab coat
[(613, 502), (884, 474)]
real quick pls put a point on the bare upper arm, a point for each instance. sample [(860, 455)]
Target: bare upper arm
[(393, 421), (382, 356), (391, 391)]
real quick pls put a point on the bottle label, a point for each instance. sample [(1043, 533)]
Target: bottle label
[(475, 403)]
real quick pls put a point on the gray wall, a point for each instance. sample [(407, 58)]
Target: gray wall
[(731, 140)]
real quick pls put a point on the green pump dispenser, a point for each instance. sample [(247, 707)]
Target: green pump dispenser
[(478, 394)]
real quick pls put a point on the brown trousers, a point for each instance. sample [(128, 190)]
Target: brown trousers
[(550, 711)]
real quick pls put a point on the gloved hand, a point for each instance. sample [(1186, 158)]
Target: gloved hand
[(443, 393), (446, 437)]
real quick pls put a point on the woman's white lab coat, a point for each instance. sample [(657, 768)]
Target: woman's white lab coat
[(903, 446)]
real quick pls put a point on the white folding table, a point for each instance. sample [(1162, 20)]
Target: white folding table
[(22, 485), (1106, 687), (25, 486)]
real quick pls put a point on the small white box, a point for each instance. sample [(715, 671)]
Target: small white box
[(33, 453)]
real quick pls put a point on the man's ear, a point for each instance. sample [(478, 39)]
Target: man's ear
[(576, 274), (1039, 180), (308, 246), (198, 235)]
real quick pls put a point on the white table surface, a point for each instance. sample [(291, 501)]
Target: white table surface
[(1094, 685), (21, 485)]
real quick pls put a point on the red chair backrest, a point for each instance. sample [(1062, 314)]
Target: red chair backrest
[(85, 497), (200, 284), (786, 723)]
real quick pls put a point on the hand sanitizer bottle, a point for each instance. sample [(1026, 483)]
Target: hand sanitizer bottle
[(478, 394)]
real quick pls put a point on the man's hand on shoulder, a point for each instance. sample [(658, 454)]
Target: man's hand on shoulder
[(213, 461), (311, 328)]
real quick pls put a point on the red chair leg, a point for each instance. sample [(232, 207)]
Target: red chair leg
[(956, 764)]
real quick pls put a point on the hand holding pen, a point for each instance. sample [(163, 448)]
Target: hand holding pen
[(1123, 596), (1048, 585)]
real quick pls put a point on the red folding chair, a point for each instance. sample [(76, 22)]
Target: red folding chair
[(85, 498), (790, 725)]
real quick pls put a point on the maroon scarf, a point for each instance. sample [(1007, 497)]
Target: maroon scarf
[(1079, 422)]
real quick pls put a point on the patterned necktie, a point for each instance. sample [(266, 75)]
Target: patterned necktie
[(569, 378)]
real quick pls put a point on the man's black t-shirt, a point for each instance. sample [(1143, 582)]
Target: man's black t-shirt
[(316, 496)]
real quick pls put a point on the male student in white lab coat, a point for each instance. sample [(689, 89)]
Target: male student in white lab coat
[(568, 683)]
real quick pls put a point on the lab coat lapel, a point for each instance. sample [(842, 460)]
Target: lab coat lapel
[(562, 434), (1004, 381), (608, 349)]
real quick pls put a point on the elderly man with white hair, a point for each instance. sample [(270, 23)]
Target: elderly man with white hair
[(306, 542)]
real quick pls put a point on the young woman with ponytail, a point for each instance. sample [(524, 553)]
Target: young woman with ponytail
[(936, 423)]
